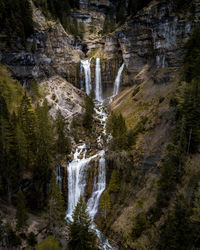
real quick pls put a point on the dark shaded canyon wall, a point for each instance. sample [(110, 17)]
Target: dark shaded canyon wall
[(156, 36), (47, 52)]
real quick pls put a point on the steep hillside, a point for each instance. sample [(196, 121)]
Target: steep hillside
[(133, 153)]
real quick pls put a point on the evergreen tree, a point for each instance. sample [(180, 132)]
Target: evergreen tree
[(13, 241), (116, 126), (139, 225), (114, 182), (176, 233), (45, 140), (21, 148), (121, 13), (28, 124), (16, 19), (63, 142), (21, 212), (196, 208), (32, 240), (50, 243), (10, 175), (56, 208), (74, 3), (105, 203), (191, 62), (191, 114), (89, 111), (81, 234), (1, 230), (109, 24)]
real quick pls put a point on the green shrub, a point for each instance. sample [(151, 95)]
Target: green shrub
[(13, 239), (32, 240), (114, 184), (50, 243), (139, 225), (135, 91)]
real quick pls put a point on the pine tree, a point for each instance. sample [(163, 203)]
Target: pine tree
[(27, 122), (26, 17), (13, 241), (89, 111), (116, 126), (196, 209), (21, 148), (56, 208), (43, 164), (16, 19), (177, 231), (21, 212), (121, 13), (9, 172), (63, 142), (50, 243), (81, 234), (114, 182), (105, 203)]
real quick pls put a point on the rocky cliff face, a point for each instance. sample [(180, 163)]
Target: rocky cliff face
[(49, 51), (155, 36)]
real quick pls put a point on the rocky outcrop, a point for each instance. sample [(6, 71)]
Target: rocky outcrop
[(155, 36), (49, 51), (62, 96)]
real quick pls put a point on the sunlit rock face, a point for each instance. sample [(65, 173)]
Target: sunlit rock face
[(62, 96)]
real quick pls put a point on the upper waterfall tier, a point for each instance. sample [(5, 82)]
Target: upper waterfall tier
[(117, 81), (98, 85), (86, 66)]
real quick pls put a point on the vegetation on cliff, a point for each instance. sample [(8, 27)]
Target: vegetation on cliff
[(16, 19), (29, 142), (82, 235), (171, 220), (165, 214)]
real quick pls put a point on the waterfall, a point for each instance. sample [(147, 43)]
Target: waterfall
[(59, 176), (117, 81), (77, 177), (86, 66), (98, 188), (98, 87), (78, 169)]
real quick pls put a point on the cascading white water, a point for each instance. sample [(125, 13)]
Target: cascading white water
[(77, 169), (98, 188), (98, 87), (76, 177), (86, 66), (117, 81)]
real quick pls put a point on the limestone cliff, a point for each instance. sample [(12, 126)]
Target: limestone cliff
[(155, 36), (49, 51), (152, 46)]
